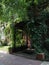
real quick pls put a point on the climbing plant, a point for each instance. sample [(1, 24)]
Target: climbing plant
[(38, 14), (36, 11)]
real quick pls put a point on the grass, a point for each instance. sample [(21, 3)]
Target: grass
[(4, 48)]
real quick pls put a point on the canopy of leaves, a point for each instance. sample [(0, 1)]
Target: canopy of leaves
[(35, 10), (12, 10)]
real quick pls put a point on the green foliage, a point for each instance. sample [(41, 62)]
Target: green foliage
[(13, 34), (7, 29), (11, 10), (19, 40), (37, 27), (33, 10)]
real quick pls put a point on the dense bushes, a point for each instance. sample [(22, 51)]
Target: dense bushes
[(37, 29), (7, 34), (46, 44)]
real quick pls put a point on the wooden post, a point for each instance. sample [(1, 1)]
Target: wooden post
[(40, 56)]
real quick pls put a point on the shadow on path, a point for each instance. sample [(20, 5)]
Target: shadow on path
[(8, 59)]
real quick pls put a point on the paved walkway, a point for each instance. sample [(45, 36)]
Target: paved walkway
[(8, 59)]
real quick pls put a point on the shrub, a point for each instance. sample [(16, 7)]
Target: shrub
[(47, 44)]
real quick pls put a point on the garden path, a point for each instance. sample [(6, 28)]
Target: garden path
[(8, 59)]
